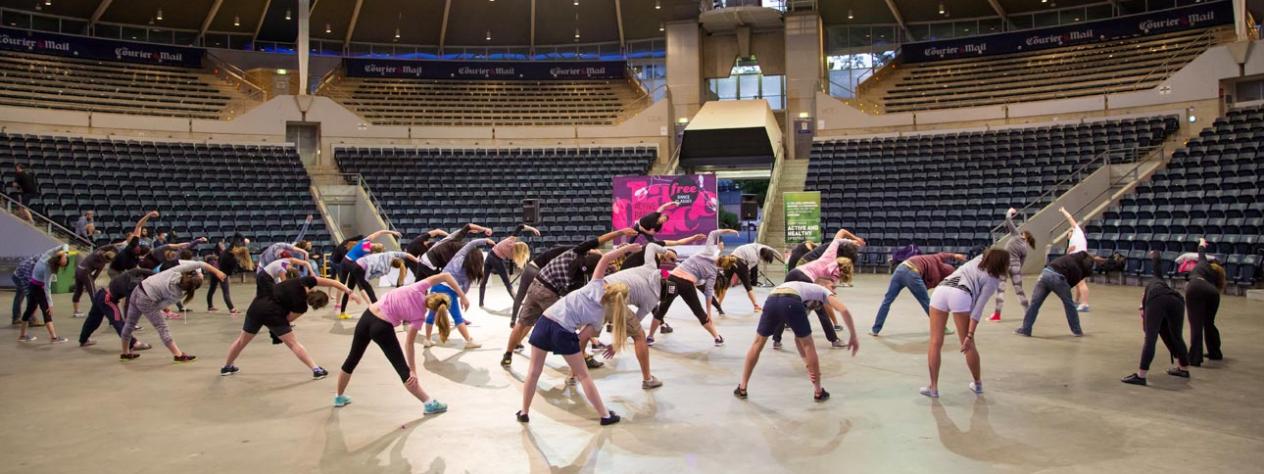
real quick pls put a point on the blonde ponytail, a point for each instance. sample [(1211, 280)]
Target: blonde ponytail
[(845, 269), (439, 303), (615, 304), (521, 254)]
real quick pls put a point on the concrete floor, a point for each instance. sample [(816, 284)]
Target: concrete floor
[(1054, 403)]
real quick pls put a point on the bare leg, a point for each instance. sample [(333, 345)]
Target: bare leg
[(962, 321), (710, 327), (654, 327), (752, 358), (642, 350), (533, 377), (291, 341), (171, 346), (580, 370), (237, 346), (516, 335), (938, 320), (465, 333), (343, 380), (1082, 289), (807, 350), (22, 330), (413, 388), (52, 333), (429, 328)]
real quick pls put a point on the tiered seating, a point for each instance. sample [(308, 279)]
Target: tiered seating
[(423, 189), (1101, 68), (200, 189), (945, 192), (1210, 189), (51, 82), (484, 103)]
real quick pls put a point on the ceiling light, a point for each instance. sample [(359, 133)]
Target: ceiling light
[(941, 8), (159, 15), (850, 16), (576, 3), (658, 5), (489, 35), (287, 14), (328, 29), (48, 3), (236, 21), (661, 27), (576, 33), (396, 34), (282, 72)]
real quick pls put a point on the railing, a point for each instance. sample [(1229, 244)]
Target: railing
[(48, 224), (644, 100), (331, 77), (358, 180), (1102, 159), (234, 74), (1205, 40), (771, 198)]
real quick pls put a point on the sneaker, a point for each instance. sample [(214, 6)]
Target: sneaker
[(184, 358), (522, 417), (719, 341), (572, 381), (144, 346), (88, 343), (341, 401), (427, 342), (926, 391), (821, 396), (838, 327), (228, 370), (665, 329), (1021, 332), (469, 345), (27, 338), (234, 311), (873, 333), (58, 340), (519, 348), (610, 420), (996, 316), (649, 341), (976, 387), (77, 315), (129, 356), (948, 331), (319, 373), (506, 360), (593, 363), (652, 383), (739, 392), (344, 316), (1078, 334), (1134, 379), (1178, 372), (838, 344), (1082, 308), (434, 407), (776, 345)]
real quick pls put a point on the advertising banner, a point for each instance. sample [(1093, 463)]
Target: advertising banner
[(486, 70), (803, 216), (97, 48), (698, 213), (1199, 15)]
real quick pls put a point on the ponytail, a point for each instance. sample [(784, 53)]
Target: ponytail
[(615, 305), (845, 269), (439, 303)]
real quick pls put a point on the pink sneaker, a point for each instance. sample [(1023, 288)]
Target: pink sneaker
[(996, 316)]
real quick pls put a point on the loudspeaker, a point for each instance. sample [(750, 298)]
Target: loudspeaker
[(530, 211), (750, 208)]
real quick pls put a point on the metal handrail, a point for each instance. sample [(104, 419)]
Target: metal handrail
[(327, 81), (1076, 176), (364, 185), (1203, 41), (51, 226), (237, 74), (632, 108)]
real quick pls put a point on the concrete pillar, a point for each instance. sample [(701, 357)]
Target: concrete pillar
[(804, 71), (303, 48), (684, 68)]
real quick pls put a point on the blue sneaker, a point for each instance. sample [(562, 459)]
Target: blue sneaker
[(341, 401), (435, 406)]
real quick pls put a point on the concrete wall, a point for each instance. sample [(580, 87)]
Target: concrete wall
[(720, 50), (21, 241), (684, 72), (804, 70)]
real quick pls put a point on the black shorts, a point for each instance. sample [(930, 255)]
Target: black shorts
[(551, 336), (277, 323), (784, 309)]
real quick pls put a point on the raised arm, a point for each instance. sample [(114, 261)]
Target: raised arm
[(713, 239), (776, 255), (668, 206), (651, 255), (328, 283), (613, 255), (446, 278), (191, 265), (437, 233), (1070, 219), (382, 232), (402, 255), (1202, 251), (303, 232), (140, 224), (629, 233), (1009, 222)]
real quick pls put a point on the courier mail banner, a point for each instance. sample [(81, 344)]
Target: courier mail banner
[(84, 47), (485, 70), (1200, 15)]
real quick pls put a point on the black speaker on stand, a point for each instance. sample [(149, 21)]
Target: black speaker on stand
[(531, 211)]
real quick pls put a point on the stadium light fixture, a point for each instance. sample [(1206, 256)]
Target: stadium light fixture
[(658, 5), (287, 14), (159, 15), (850, 16), (576, 33), (489, 35), (661, 27), (48, 3), (396, 33), (282, 72), (941, 8), (328, 28), (236, 21)]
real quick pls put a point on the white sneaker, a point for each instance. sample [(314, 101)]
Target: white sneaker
[(472, 345), (427, 342), (77, 315), (976, 387), (1082, 308)]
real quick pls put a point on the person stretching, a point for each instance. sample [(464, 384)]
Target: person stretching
[(348, 264), (787, 305), (439, 254), (1059, 277), (919, 274), (1202, 298), (700, 270), (508, 250), (829, 266), (644, 283), (278, 306), (40, 293), (577, 317), (1019, 243), (1077, 241), (375, 265), (747, 267), (651, 224), (798, 252), (465, 267), (157, 292), (1162, 315), (962, 296), (408, 304), (106, 303), (22, 279), (419, 246), (87, 271)]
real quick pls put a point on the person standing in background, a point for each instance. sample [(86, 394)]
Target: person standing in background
[(25, 189)]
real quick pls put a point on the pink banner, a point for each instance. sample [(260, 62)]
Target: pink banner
[(636, 196)]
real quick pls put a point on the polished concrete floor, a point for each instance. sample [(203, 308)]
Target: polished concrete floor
[(1053, 402)]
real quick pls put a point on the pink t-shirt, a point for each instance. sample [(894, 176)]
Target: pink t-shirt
[(504, 248), (405, 304)]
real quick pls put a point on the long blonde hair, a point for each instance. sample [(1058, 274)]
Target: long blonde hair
[(845, 269), (242, 254), (726, 262), (521, 254), (615, 304), (439, 303)]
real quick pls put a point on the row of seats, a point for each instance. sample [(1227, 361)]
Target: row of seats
[(201, 189), (423, 189), (1109, 67)]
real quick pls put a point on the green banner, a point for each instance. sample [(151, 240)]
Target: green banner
[(803, 216)]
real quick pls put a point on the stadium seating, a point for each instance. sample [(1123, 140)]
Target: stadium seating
[(32, 80), (947, 191), (200, 189), (1101, 68), (483, 103), (1210, 189), (423, 189)]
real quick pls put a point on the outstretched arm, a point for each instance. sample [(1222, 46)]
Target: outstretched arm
[(446, 278), (629, 233), (713, 238), (302, 232), (1070, 219), (381, 233), (693, 239), (841, 309), (328, 283), (668, 206), (1009, 222), (613, 255), (1202, 251)]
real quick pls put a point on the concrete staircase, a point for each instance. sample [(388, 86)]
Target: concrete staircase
[(788, 176)]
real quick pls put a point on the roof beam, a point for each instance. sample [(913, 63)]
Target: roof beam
[(618, 16), (96, 14), (443, 29), (206, 22), (1000, 11), (531, 46), (259, 26), (899, 18), (351, 25)]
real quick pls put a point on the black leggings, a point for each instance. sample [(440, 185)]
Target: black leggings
[(499, 266), (210, 292), (354, 278), (373, 328), (102, 310), (748, 276), (678, 286), (35, 296), (1163, 320), (826, 325), (84, 282), (1203, 301)]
